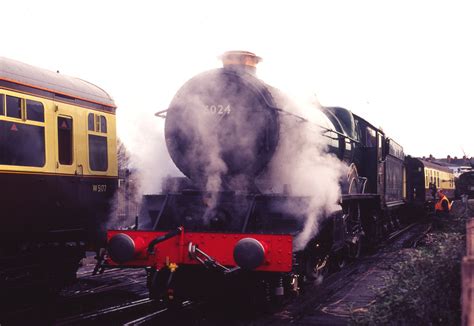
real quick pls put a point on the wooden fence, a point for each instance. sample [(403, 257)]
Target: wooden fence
[(468, 277)]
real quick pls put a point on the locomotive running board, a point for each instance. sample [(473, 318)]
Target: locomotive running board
[(359, 196)]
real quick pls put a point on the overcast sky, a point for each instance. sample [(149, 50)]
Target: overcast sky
[(406, 66)]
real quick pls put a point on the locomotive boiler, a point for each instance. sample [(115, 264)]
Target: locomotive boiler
[(233, 216)]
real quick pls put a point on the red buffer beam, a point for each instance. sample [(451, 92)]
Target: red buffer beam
[(259, 252)]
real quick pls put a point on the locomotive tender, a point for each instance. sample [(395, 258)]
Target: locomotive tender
[(223, 129), (58, 169), (465, 184)]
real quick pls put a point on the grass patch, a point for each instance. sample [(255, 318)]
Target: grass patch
[(425, 287)]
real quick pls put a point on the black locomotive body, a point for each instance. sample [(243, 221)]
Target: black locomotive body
[(465, 184), (58, 169), (223, 130)]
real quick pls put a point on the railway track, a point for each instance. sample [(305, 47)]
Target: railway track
[(418, 231), (144, 311), (139, 312), (115, 297), (99, 315), (352, 288), (154, 316), (117, 279)]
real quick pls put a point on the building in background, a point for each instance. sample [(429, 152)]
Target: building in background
[(457, 165)]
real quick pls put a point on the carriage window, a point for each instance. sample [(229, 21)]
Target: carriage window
[(2, 107), (21, 144), (98, 153), (34, 111), (103, 124), (98, 158), (13, 107), (97, 123), (90, 122), (65, 144)]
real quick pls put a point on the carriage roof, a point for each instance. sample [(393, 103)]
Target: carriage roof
[(45, 80)]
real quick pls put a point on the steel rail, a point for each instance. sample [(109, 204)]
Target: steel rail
[(155, 314), (103, 312)]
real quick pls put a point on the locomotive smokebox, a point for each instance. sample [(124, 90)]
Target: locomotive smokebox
[(223, 124), (249, 253), (123, 248)]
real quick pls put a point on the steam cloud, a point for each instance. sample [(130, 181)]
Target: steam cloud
[(206, 150), (303, 163), (145, 156)]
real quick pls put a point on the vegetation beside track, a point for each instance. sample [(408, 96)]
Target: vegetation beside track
[(425, 286)]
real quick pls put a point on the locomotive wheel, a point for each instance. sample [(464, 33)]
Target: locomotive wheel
[(352, 180), (355, 249), (317, 268), (372, 232), (396, 222), (159, 283), (351, 252), (341, 259), (354, 231)]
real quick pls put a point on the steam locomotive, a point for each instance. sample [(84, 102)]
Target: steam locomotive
[(58, 170), (237, 215)]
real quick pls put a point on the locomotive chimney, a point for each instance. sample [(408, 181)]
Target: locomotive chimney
[(240, 60)]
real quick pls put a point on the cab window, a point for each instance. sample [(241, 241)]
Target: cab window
[(379, 145), (371, 137)]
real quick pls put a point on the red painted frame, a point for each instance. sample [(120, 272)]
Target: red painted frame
[(220, 246)]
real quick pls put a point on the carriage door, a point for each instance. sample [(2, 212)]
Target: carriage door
[(65, 159), (66, 166), (380, 164)]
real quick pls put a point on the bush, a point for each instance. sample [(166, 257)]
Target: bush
[(425, 288)]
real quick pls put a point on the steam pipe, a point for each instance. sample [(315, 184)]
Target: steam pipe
[(164, 237)]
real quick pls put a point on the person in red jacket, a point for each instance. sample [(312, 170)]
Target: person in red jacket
[(443, 206)]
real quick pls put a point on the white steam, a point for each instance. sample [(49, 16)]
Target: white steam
[(301, 163), (148, 163), (206, 151), (304, 166)]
